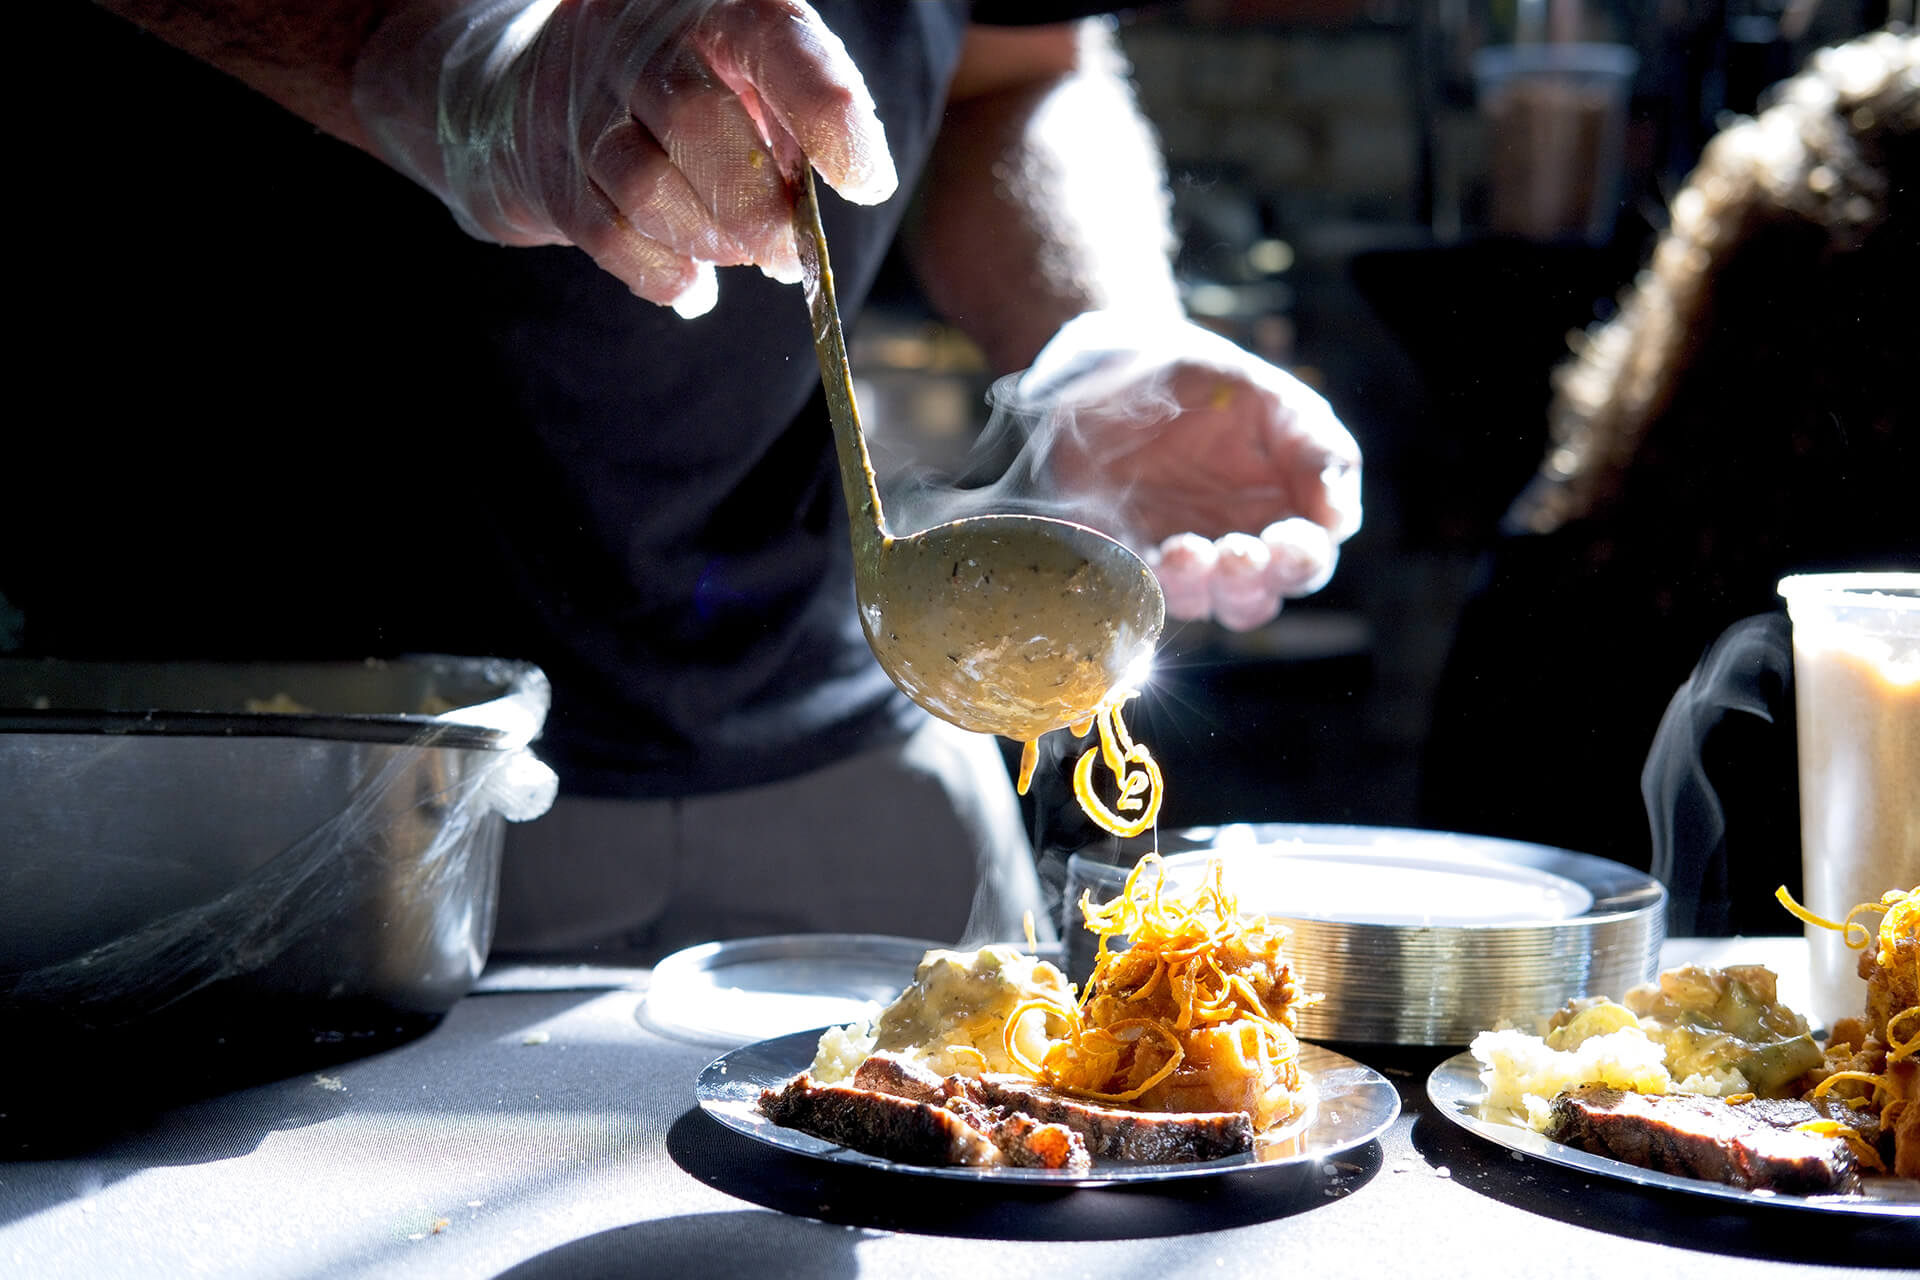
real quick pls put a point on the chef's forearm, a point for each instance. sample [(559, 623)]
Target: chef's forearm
[(300, 53), (1045, 196)]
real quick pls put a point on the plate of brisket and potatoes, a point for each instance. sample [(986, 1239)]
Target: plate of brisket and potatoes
[(1014, 1131), (1705, 1082), (1177, 1060), (1171, 1046)]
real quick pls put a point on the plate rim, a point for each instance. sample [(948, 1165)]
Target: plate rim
[(728, 1111), (707, 957), (1618, 891), (1454, 1089), (698, 957), (1421, 859)]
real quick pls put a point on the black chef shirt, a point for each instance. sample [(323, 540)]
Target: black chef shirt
[(289, 410)]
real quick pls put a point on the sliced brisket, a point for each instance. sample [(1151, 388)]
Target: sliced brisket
[(883, 1111), (1023, 1140), (879, 1124), (1114, 1133), (1701, 1137), (1786, 1113), (884, 1073), (1028, 1143)]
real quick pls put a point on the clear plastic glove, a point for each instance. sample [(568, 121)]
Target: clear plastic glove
[(653, 134), (1234, 478)]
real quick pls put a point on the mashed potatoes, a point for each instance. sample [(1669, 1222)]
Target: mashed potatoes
[(951, 1018), (1724, 1030), (1524, 1073)]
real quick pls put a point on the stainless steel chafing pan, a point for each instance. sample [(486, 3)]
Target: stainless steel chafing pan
[(242, 867)]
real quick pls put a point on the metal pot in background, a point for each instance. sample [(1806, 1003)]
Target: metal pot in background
[(226, 871)]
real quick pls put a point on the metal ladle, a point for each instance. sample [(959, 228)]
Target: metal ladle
[(1007, 624)]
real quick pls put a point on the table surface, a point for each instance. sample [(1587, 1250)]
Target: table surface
[(543, 1129)]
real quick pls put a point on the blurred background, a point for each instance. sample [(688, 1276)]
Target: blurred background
[(1417, 208)]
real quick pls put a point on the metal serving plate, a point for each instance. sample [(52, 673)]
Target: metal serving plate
[(1418, 937), (1456, 1092), (1352, 1105)]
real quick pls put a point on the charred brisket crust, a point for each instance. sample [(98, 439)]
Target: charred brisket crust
[(879, 1124), (1028, 1143), (1785, 1113), (1699, 1137), (1030, 1124), (1112, 1133), (1023, 1140), (884, 1073)]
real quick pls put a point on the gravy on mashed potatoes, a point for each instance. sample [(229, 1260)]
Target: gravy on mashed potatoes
[(950, 1019), (1718, 1032)]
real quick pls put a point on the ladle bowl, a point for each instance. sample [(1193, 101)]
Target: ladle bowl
[(1006, 624)]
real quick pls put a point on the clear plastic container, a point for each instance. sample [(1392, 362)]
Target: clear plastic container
[(1856, 665), (1555, 118)]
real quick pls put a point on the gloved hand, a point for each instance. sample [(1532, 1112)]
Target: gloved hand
[(1234, 479), (654, 134)]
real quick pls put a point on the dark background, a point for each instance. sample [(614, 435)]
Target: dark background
[(1328, 162)]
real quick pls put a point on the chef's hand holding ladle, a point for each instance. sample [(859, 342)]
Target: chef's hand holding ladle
[(640, 131), (663, 139), (635, 129)]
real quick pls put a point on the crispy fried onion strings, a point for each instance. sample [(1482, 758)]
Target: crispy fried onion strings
[(1869, 1158), (1131, 764), (1900, 918), (1902, 915), (1124, 1036)]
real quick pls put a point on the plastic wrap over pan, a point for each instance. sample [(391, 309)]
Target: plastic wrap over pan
[(229, 869), (1414, 937)]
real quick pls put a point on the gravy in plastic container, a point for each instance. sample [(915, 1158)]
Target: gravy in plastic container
[(1856, 663)]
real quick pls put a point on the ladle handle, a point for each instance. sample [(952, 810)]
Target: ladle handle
[(857, 482)]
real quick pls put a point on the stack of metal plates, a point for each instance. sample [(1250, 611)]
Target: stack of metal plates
[(1415, 937)]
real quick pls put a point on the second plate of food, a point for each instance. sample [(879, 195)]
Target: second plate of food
[(1456, 1091)]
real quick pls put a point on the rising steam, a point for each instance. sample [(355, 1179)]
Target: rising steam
[(1009, 468), (1747, 671)]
